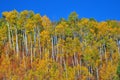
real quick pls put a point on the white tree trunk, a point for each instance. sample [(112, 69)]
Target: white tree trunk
[(25, 40), (17, 47), (9, 37)]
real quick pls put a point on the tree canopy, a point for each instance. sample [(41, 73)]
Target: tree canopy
[(32, 47)]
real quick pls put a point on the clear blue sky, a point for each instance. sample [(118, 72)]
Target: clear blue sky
[(55, 9)]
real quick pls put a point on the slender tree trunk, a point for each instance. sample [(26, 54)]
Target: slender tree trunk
[(56, 48), (105, 53), (75, 62), (12, 39), (34, 49), (23, 53), (61, 56), (100, 53), (118, 42), (31, 50), (65, 69), (80, 68), (26, 46), (52, 48), (89, 72), (57, 51), (17, 47), (9, 37), (97, 72), (39, 45)]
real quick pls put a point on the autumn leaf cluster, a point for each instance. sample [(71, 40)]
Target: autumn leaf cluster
[(32, 47)]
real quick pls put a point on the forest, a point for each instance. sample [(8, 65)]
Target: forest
[(32, 47)]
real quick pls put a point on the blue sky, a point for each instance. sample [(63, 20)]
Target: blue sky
[(55, 9)]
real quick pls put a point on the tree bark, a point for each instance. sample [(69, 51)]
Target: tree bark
[(25, 40), (17, 47), (9, 37)]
